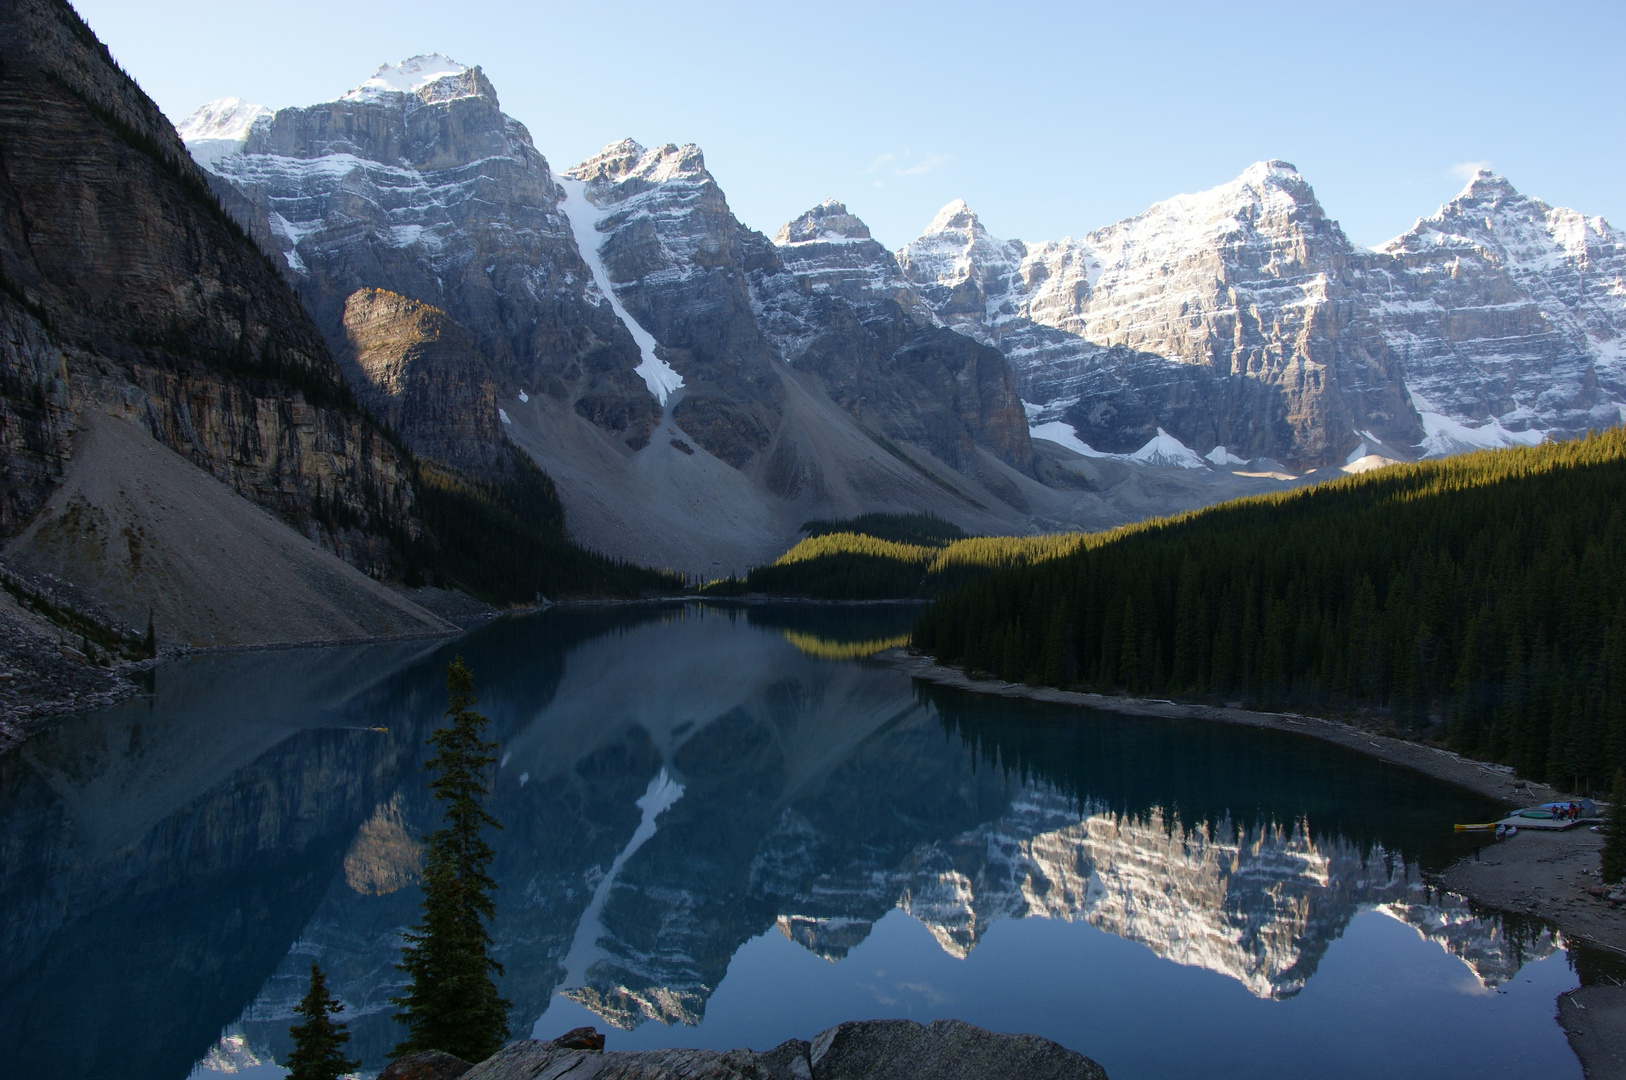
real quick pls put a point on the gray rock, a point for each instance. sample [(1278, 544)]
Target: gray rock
[(941, 1050), (790, 1060), (535, 1059), (838, 305), (1295, 342), (1250, 284), (895, 1049), (128, 292), (426, 1065), (1501, 306)]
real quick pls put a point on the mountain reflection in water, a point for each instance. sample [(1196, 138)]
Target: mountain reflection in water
[(675, 781)]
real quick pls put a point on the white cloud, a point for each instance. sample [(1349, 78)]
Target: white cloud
[(925, 165), (905, 162), (1466, 170)]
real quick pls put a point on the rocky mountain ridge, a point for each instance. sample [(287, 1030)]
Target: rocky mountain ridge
[(696, 390), (1244, 322), (1232, 331), (1502, 307)]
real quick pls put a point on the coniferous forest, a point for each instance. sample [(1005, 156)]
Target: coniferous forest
[(1479, 601), (883, 556)]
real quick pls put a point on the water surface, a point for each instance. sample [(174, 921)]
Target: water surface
[(725, 827)]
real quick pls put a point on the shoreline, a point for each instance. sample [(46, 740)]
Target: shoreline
[(1533, 873), (1491, 781)]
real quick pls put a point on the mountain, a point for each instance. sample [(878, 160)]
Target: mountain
[(1248, 286), (694, 389), (1242, 322), (416, 182), (148, 347), (1507, 314)]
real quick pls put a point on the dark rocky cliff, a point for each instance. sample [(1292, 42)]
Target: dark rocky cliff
[(418, 371), (124, 288), (680, 263)]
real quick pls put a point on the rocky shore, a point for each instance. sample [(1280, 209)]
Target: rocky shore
[(858, 1050), (42, 676), (1492, 781)]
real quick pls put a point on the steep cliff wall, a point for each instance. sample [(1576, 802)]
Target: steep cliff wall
[(416, 370), (127, 290)]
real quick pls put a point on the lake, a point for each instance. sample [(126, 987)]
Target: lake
[(725, 826)]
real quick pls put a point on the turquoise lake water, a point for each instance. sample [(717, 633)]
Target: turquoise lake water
[(725, 827)]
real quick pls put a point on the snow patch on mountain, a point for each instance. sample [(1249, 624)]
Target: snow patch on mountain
[(219, 128), (658, 797), (1162, 450), (1222, 457), (407, 77), (1061, 433), (657, 374), (1446, 436), (1165, 450)]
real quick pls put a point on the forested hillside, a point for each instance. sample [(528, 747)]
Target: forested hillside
[(888, 557), (1480, 600)]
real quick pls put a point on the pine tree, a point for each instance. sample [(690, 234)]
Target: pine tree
[(1613, 863), (451, 1003), (316, 1054)]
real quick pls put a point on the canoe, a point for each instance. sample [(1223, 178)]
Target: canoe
[(1487, 827)]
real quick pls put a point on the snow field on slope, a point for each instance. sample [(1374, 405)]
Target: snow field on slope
[(1444, 436), (1161, 449), (583, 215)]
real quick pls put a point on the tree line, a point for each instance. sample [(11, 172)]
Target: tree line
[(503, 540), (887, 557), (1478, 601)]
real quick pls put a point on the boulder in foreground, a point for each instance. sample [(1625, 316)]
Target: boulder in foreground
[(858, 1050), (426, 1065)]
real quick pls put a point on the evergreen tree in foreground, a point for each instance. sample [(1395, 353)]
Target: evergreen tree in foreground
[(1612, 866), (451, 1003), (316, 1054)]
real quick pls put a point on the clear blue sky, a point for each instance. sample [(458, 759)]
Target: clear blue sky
[(1049, 118)]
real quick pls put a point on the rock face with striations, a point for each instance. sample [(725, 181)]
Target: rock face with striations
[(1504, 309), (623, 296), (1242, 317), (416, 370), (726, 306), (679, 261), (125, 289), (840, 307), (416, 182), (1249, 283)]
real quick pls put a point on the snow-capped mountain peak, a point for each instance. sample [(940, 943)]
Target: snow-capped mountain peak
[(626, 160), (223, 118), (1485, 184), (827, 222), (957, 216), (1274, 171), (219, 128), (407, 77)]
